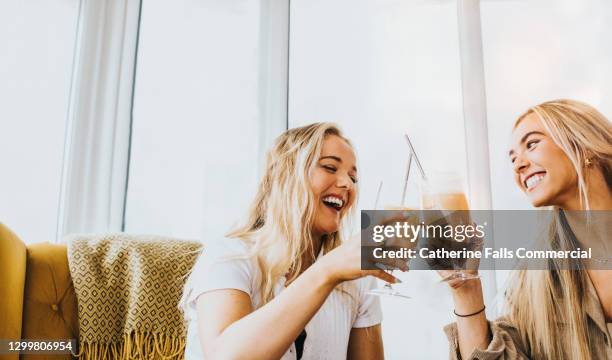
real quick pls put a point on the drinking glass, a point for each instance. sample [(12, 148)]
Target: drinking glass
[(388, 289), (443, 191)]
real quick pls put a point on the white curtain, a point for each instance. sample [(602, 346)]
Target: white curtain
[(98, 131)]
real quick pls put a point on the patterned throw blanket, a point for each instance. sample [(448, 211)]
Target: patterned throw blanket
[(128, 288)]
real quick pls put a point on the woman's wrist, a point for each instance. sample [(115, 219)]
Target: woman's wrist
[(467, 288), (468, 297), (325, 272)]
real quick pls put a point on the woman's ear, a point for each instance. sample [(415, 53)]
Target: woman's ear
[(593, 163)]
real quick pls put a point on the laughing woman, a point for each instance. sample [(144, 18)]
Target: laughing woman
[(562, 157), (284, 285)]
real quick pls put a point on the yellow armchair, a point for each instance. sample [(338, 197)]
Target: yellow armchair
[(37, 299)]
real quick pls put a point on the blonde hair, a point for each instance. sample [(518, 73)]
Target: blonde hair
[(539, 300), (278, 228)]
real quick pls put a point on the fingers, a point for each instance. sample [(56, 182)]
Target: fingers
[(392, 264), (454, 282), (384, 276), (397, 218)]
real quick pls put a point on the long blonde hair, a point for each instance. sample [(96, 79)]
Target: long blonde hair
[(278, 228), (539, 300)]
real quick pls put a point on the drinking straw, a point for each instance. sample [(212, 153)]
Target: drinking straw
[(416, 158), (378, 195), (403, 201)]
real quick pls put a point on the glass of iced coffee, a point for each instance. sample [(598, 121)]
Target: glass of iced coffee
[(444, 201)]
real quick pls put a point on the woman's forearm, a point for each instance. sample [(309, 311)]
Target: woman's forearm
[(269, 331), (473, 331)]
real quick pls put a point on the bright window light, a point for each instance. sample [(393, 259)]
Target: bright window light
[(38, 39)]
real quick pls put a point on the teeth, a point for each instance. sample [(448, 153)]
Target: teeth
[(533, 180), (334, 200)]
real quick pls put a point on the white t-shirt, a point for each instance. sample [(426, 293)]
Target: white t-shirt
[(327, 332)]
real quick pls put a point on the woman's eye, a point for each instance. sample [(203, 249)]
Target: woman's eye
[(329, 168), (532, 143), (513, 160), (354, 180)]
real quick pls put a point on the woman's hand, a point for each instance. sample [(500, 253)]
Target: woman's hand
[(455, 282), (344, 263), (455, 271)]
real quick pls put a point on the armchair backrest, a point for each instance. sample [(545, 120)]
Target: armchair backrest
[(37, 299), (12, 284)]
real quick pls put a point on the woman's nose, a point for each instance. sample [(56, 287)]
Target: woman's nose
[(344, 181), (520, 163)]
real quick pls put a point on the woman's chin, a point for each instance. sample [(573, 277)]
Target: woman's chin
[(537, 200), (327, 229)]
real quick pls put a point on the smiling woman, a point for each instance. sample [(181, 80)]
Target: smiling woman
[(287, 264), (562, 157), (334, 183), (558, 147), (535, 157)]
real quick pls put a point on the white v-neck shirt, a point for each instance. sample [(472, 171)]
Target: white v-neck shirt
[(327, 332)]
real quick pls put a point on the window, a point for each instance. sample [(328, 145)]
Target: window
[(38, 41), (196, 126)]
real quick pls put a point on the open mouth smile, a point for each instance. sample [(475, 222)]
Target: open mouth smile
[(533, 180), (334, 202)]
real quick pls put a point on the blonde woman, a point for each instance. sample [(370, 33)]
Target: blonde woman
[(284, 285), (562, 157)]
